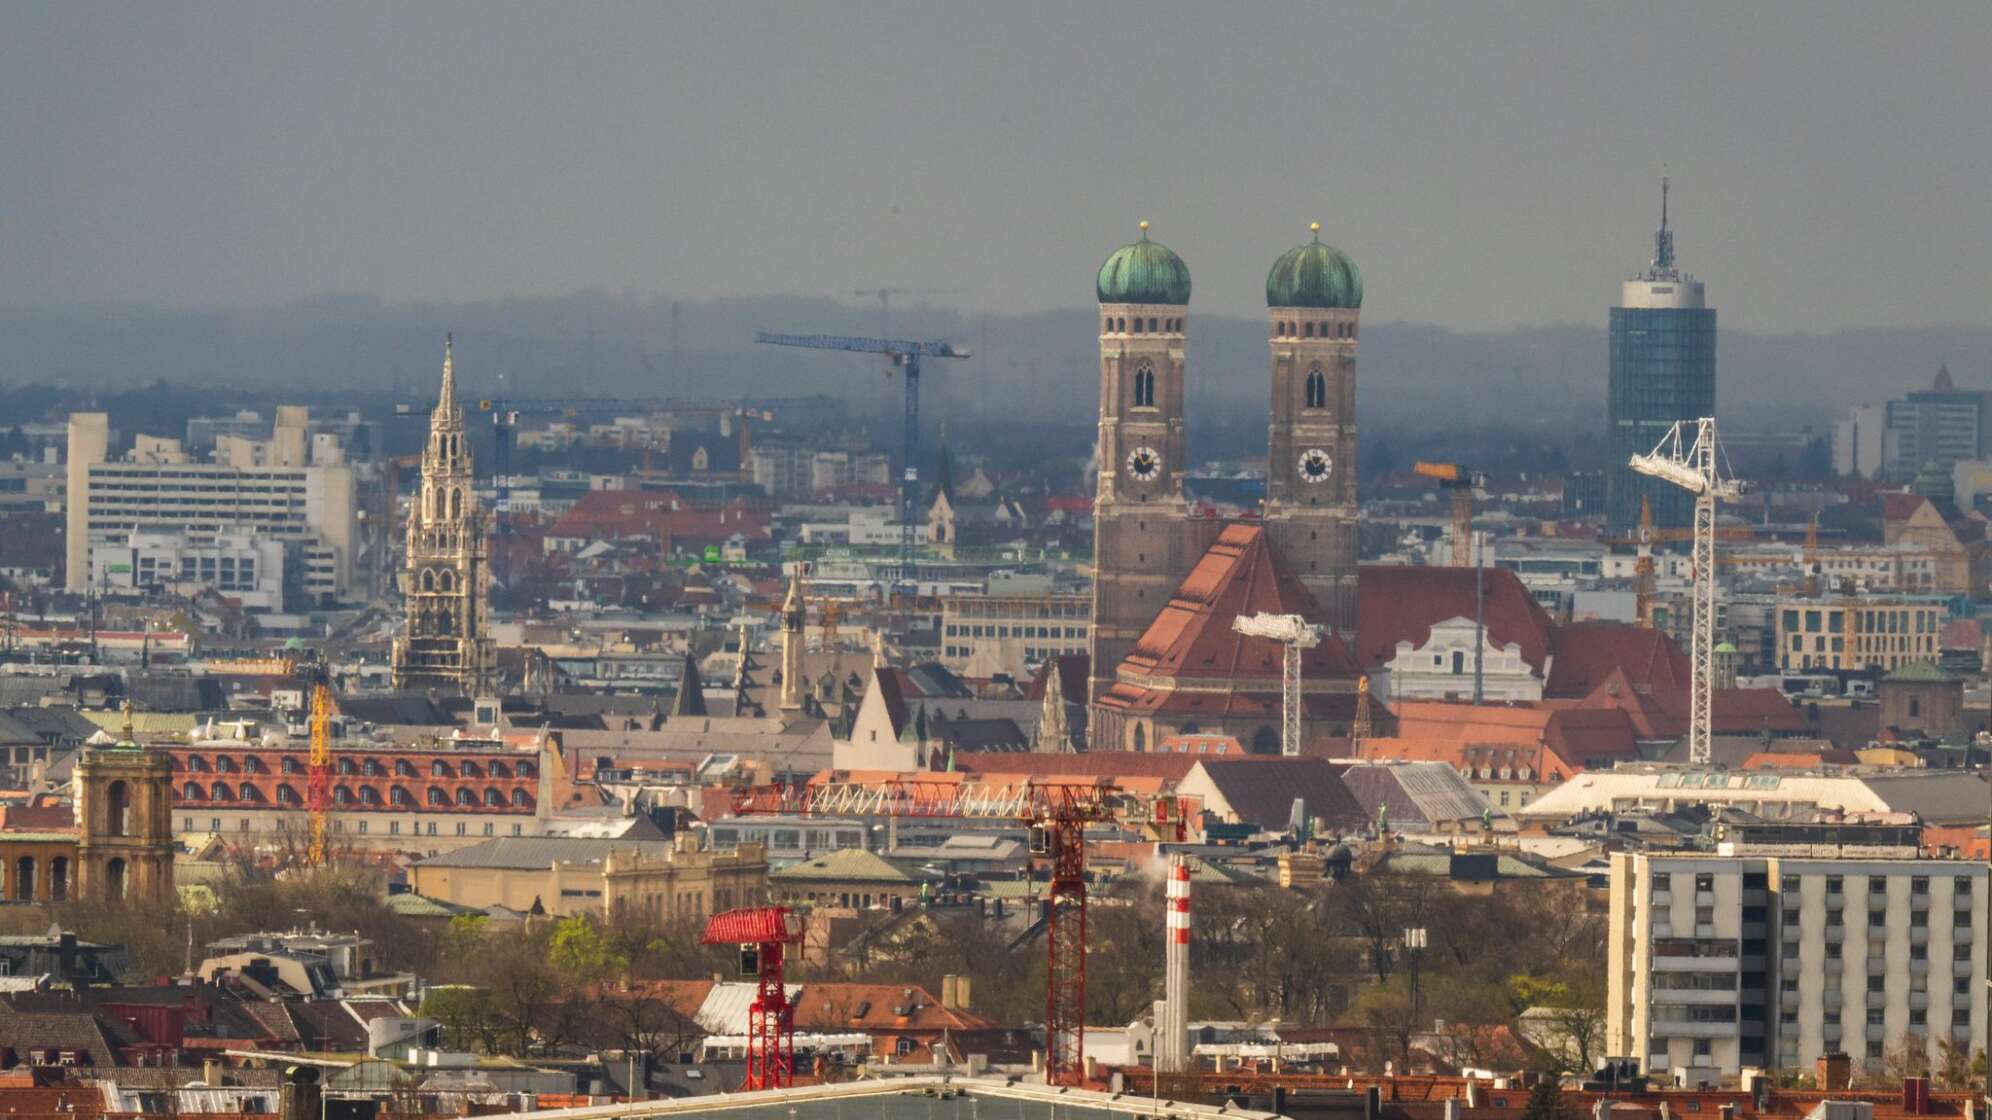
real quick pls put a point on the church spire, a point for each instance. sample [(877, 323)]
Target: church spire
[(446, 399)]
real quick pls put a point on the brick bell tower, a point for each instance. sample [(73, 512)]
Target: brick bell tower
[(1314, 296), (1141, 540), (123, 795)]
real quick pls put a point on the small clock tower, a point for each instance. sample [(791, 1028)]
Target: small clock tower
[(1314, 297), (1141, 540)]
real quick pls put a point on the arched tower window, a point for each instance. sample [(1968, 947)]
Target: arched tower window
[(428, 580), (446, 580), (1140, 738), (117, 805), (1144, 388), (1317, 388), (456, 503)]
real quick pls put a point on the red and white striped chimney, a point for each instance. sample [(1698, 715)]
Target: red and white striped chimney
[(1172, 1043)]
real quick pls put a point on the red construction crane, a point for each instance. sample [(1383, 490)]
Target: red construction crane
[(1057, 814), (762, 932)]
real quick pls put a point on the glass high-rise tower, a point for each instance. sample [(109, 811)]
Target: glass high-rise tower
[(1662, 370)]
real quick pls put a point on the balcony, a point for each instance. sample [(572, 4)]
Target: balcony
[(1724, 997), (1836, 934), (1877, 999), (1960, 935), (1877, 965), (1961, 1033), (1919, 968), (1662, 929), (1876, 1032), (1694, 964), (1962, 900), (1789, 932), (1919, 935), (1660, 900), (1704, 898), (1919, 1001), (1836, 901), (1788, 1000), (1670, 1029), (1960, 968)]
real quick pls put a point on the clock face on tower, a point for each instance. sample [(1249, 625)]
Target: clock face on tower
[(1144, 463), (1315, 466)]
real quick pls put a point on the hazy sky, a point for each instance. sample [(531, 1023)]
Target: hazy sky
[(1487, 164)]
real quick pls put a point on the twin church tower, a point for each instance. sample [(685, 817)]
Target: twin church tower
[(1146, 541)]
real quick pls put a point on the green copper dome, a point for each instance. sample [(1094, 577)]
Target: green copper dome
[(1314, 275), (1933, 482), (1144, 272)]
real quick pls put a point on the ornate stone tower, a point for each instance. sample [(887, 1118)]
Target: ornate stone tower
[(1141, 539), (1314, 296), (124, 819), (444, 645)]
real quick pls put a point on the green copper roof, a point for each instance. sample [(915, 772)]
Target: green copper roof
[(1144, 272), (1314, 275), (1933, 482), (1922, 672)]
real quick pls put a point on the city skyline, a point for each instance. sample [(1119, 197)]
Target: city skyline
[(1492, 167)]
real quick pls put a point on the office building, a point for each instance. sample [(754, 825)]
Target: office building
[(1943, 424), (1856, 632), (984, 635), (1861, 447), (1662, 370), (159, 489), (1802, 941)]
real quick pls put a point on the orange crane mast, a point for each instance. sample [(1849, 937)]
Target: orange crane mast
[(1057, 814), (1460, 482)]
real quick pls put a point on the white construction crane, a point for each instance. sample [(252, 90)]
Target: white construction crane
[(1296, 634), (1687, 457)]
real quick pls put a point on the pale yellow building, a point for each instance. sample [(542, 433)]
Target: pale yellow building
[(664, 879), (1858, 632)]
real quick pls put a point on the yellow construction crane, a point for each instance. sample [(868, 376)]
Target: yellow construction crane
[(1360, 731), (318, 778), (1460, 482)]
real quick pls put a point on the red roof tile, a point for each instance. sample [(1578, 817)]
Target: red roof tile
[(1588, 653), (1399, 604)]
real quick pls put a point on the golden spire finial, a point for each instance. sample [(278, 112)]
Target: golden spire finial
[(1315, 229), (1144, 229)]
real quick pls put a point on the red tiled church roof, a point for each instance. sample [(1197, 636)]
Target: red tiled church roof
[(1192, 636), (1400, 604)]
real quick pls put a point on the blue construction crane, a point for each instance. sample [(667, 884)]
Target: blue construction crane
[(905, 355)]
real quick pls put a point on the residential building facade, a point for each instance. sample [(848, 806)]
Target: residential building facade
[(1773, 956)]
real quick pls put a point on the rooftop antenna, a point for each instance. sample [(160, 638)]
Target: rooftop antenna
[(1663, 238)]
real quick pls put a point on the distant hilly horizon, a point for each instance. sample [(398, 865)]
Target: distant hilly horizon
[(1024, 366)]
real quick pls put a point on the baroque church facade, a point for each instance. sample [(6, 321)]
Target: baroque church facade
[(445, 644), (1167, 582)]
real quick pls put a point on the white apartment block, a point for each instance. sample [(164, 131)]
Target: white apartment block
[(160, 491), (1769, 959), (983, 635)]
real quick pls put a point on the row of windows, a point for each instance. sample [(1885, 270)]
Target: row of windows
[(286, 794), (369, 767), (360, 827), (1307, 330), (965, 630), (1118, 324)]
